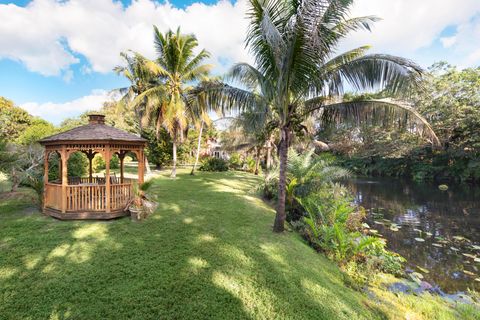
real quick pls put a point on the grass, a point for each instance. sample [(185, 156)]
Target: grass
[(208, 252)]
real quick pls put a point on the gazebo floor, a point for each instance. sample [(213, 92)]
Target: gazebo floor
[(85, 215)]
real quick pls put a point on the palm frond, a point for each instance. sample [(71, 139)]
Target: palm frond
[(379, 112)]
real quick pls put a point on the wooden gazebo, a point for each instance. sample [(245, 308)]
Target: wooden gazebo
[(91, 197)]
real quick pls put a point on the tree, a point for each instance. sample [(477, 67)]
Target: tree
[(37, 130), (13, 120), (176, 67), (293, 43)]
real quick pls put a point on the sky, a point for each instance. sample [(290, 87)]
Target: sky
[(56, 57)]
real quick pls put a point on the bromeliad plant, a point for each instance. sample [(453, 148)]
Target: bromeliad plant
[(298, 73)]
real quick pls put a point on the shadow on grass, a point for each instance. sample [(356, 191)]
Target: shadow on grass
[(208, 252)]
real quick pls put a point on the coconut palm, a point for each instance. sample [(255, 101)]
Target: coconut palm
[(198, 107), (138, 71), (176, 67), (297, 72)]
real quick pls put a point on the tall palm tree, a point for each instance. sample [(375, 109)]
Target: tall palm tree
[(298, 73), (139, 71), (176, 67)]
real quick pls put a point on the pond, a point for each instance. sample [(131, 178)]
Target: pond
[(438, 232)]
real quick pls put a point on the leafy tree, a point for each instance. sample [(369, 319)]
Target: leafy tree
[(176, 66), (159, 147), (37, 130), (13, 120), (451, 102), (297, 74)]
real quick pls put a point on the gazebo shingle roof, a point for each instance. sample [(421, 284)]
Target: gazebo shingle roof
[(96, 130)]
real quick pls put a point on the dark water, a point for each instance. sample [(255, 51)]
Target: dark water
[(449, 219)]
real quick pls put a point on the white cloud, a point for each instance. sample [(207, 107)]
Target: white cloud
[(47, 34), (410, 25), (56, 112), (447, 42)]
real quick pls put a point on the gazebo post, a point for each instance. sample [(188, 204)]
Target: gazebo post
[(141, 167), (64, 179), (121, 156), (107, 178), (45, 178), (90, 171)]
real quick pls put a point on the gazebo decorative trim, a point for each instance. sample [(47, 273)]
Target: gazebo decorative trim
[(91, 197)]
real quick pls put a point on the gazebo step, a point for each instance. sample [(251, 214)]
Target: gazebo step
[(86, 215)]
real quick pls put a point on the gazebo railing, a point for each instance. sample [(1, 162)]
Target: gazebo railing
[(89, 197)]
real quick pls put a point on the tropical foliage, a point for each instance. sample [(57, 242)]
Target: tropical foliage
[(450, 102), (297, 74), (166, 104)]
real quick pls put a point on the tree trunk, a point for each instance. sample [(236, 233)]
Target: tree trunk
[(174, 169), (15, 181), (269, 154), (147, 166), (198, 150), (257, 160), (279, 225)]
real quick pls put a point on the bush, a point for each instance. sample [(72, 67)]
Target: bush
[(333, 225), (235, 162), (99, 163), (214, 164)]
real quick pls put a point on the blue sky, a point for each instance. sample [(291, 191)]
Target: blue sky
[(56, 57)]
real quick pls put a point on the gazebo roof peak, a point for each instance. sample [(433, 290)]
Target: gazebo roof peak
[(95, 130)]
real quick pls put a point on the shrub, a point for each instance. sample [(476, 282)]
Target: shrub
[(214, 164), (99, 163), (250, 164), (235, 162), (333, 225)]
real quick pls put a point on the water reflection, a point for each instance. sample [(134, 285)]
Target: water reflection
[(448, 221)]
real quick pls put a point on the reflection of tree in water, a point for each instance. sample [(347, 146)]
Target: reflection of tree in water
[(423, 207)]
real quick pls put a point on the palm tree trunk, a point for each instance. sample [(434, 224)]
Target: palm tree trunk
[(279, 225), (174, 169), (257, 160), (269, 154), (198, 150)]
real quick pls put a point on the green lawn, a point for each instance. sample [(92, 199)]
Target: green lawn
[(208, 252)]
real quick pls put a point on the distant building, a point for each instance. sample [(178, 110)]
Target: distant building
[(215, 149)]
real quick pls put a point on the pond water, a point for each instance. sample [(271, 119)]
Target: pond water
[(438, 232)]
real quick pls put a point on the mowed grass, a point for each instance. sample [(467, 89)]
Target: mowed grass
[(207, 253)]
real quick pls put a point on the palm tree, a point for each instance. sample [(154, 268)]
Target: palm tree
[(176, 66), (138, 71), (297, 73)]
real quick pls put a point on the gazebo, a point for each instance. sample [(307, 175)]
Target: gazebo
[(91, 197)]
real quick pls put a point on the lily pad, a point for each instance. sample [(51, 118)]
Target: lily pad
[(477, 279), (420, 239), (454, 249), (469, 273), (429, 234), (418, 230), (416, 277), (460, 238), (422, 269), (477, 260), (378, 222), (475, 247), (439, 245), (468, 255)]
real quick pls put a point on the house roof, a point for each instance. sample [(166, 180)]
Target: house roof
[(96, 130)]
